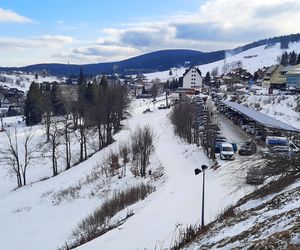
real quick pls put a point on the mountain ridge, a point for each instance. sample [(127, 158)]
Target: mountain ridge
[(153, 61)]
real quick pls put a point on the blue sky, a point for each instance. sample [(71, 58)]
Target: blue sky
[(90, 31)]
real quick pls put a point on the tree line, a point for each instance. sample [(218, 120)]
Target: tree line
[(195, 124), (289, 58), (67, 113)]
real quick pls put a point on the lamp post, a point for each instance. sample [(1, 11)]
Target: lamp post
[(1, 119), (198, 171)]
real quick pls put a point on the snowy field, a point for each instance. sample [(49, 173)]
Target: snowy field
[(22, 81), (35, 212)]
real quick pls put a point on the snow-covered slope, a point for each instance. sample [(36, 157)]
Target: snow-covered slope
[(48, 211), (22, 81), (258, 222), (284, 108), (252, 60)]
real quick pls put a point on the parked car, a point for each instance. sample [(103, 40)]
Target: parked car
[(248, 148), (218, 141), (260, 135), (277, 152), (276, 141), (255, 176), (226, 151), (162, 106), (250, 128), (147, 110)]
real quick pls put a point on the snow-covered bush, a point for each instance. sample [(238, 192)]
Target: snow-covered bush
[(98, 222)]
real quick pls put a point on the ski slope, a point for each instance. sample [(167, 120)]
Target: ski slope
[(259, 57)]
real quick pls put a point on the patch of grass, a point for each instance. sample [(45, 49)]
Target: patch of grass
[(97, 223), (271, 188), (188, 235), (228, 212), (69, 193)]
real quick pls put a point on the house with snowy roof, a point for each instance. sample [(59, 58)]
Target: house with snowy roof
[(192, 78)]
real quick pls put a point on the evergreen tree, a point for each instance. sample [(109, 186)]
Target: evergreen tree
[(81, 77), (293, 58), (58, 106), (207, 78), (33, 108), (103, 81), (284, 59), (91, 93), (298, 59)]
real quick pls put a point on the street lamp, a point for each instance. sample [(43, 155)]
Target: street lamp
[(1, 119), (198, 171)]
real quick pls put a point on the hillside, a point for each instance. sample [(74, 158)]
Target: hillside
[(60, 203), (163, 60), (150, 62), (251, 59), (268, 217), (22, 81)]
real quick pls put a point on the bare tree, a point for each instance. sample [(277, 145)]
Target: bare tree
[(215, 72), (124, 152), (67, 140), (67, 128), (28, 153), (54, 142), (47, 114), (10, 154), (181, 118), (142, 147)]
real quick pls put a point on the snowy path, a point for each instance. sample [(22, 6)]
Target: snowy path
[(177, 203), (30, 214)]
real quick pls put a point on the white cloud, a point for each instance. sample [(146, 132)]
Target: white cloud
[(217, 24), (10, 16), (103, 50), (46, 41)]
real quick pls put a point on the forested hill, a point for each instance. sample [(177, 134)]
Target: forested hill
[(155, 61), (150, 62)]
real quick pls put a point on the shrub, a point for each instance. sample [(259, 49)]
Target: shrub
[(66, 194), (142, 147), (96, 224)]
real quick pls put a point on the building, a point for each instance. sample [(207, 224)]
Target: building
[(278, 79), (10, 102), (192, 79), (293, 78), (268, 76)]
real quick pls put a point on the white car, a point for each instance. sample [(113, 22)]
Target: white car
[(227, 151)]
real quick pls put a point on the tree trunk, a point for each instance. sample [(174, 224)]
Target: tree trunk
[(24, 177)]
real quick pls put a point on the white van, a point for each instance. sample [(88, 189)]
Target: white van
[(227, 151)]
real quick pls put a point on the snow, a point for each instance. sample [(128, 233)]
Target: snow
[(279, 107), (260, 117), (22, 81), (254, 203), (33, 212), (262, 58), (38, 218)]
